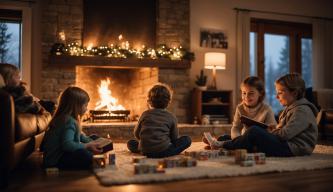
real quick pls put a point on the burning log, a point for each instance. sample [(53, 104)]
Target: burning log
[(107, 108)]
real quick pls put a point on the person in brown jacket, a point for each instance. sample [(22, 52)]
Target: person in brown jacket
[(296, 133)]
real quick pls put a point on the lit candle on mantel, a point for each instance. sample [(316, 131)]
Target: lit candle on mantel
[(62, 36), (120, 37), (90, 46)]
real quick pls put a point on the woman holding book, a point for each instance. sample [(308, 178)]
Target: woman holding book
[(297, 131)]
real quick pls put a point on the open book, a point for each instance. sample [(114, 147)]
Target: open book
[(104, 143), (250, 122)]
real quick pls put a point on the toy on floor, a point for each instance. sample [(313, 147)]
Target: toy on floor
[(99, 161), (203, 155), (177, 162), (249, 159), (143, 168), (139, 159)]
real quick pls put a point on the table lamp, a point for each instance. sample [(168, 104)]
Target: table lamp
[(214, 61)]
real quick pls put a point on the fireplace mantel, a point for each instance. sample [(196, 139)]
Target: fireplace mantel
[(66, 61)]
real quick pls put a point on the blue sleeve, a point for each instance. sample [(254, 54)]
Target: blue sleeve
[(69, 141), (84, 138)]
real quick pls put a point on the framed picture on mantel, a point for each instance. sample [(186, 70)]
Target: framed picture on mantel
[(211, 38)]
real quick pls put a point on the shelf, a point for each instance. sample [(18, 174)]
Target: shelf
[(67, 61), (215, 103)]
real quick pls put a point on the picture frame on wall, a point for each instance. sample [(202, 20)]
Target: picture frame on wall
[(211, 38)]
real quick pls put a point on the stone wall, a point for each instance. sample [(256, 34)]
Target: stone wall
[(173, 27), (172, 30)]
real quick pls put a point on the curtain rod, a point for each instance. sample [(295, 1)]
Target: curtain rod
[(277, 13)]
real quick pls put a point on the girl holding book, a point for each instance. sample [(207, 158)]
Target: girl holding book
[(64, 145), (297, 131), (252, 106)]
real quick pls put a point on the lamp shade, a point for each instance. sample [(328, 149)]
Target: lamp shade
[(215, 60)]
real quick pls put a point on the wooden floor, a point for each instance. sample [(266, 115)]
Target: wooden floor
[(30, 177)]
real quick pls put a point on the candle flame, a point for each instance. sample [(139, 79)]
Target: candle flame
[(120, 37)]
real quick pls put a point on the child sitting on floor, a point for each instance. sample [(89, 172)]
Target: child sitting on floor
[(252, 105), (297, 131), (64, 144), (156, 130)]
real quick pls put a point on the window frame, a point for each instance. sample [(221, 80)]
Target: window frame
[(295, 32), (26, 38)]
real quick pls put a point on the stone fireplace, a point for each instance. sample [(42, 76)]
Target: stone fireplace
[(130, 78), (128, 85)]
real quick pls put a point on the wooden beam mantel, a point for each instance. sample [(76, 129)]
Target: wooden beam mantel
[(66, 61)]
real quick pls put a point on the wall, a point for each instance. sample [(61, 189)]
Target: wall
[(216, 14), (219, 14)]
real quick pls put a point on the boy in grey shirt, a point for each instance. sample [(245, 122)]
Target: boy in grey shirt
[(156, 130)]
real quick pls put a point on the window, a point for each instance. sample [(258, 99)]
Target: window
[(278, 48), (10, 37)]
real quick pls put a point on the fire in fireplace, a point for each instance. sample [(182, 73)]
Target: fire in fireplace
[(129, 86), (107, 108)]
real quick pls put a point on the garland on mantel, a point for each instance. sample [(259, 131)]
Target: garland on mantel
[(123, 51)]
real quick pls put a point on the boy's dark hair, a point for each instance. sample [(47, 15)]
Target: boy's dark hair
[(294, 83), (159, 96), (256, 82)]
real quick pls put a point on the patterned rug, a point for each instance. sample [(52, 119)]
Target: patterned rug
[(223, 166)]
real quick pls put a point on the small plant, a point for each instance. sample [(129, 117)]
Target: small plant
[(201, 79)]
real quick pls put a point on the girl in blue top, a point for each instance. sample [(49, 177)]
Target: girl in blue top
[(65, 146)]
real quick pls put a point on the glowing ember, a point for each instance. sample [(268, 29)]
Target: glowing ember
[(106, 99)]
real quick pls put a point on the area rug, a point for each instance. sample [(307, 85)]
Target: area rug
[(224, 166)]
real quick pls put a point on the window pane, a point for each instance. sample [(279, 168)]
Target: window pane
[(253, 55), (307, 61), (10, 43), (276, 65)]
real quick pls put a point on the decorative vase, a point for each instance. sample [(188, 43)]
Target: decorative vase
[(202, 88)]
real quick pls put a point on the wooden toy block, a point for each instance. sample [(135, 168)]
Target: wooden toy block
[(177, 162), (52, 171), (147, 168), (260, 158), (112, 159), (141, 159), (247, 163), (240, 155), (99, 161), (203, 155)]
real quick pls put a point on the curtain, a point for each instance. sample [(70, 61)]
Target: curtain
[(322, 53), (242, 47)]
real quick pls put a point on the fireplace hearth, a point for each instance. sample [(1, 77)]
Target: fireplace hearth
[(102, 115)]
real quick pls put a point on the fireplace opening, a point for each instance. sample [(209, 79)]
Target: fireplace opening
[(128, 86)]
